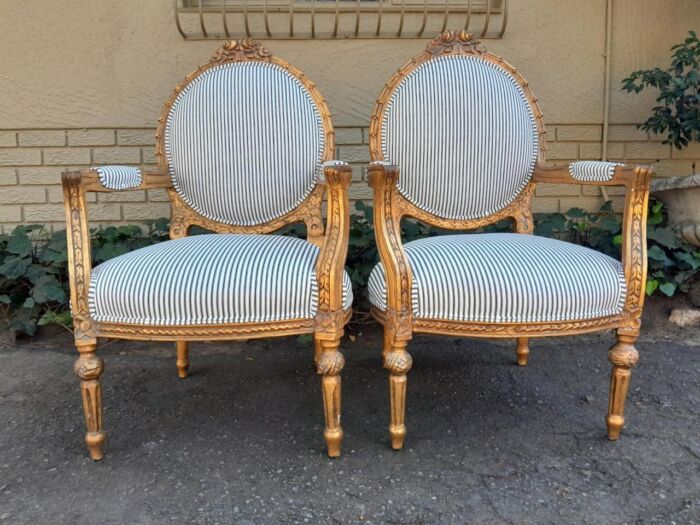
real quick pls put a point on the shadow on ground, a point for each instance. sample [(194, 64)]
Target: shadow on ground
[(240, 440)]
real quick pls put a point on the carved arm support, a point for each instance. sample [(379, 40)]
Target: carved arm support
[(636, 180), (331, 260), (75, 186), (383, 178)]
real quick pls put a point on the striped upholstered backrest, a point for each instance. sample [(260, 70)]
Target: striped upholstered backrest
[(463, 134), (243, 142)]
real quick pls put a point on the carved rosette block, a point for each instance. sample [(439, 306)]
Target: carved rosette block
[(623, 356), (399, 324), (398, 362), (329, 325), (89, 367), (522, 350)]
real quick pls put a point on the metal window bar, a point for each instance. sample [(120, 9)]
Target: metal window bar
[(330, 19)]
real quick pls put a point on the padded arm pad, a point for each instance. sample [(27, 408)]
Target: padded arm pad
[(593, 170), (119, 177)]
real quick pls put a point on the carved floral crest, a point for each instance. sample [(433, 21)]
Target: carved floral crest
[(234, 50), (455, 42)]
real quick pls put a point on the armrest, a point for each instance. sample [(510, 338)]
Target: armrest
[(331, 260), (383, 178), (636, 179), (75, 186), (120, 178)]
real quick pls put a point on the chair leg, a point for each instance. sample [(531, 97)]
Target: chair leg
[(623, 356), (522, 350), (183, 358), (89, 367), (386, 347), (318, 350), (329, 364), (398, 361)]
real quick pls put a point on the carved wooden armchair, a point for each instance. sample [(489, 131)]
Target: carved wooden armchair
[(457, 141), (243, 149)]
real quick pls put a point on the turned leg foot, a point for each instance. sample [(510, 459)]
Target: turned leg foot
[(89, 367), (398, 361), (623, 356), (329, 364), (522, 350), (183, 358)]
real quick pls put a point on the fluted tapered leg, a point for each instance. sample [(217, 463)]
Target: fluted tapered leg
[(623, 356), (183, 358), (398, 362), (89, 367), (329, 364), (522, 350)]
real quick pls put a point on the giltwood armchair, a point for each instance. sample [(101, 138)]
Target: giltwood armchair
[(457, 141), (243, 147)]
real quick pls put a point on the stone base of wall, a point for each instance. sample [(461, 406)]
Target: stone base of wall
[(31, 162)]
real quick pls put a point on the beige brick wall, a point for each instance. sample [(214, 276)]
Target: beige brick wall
[(31, 162)]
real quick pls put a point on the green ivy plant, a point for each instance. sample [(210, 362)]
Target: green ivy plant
[(672, 264), (34, 278), (34, 270), (678, 114)]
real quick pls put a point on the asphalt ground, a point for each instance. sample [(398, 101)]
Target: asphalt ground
[(240, 440)]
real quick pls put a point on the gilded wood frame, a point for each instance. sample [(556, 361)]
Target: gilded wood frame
[(327, 326), (390, 207)]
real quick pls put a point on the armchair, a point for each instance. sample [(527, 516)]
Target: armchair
[(243, 146), (457, 141)]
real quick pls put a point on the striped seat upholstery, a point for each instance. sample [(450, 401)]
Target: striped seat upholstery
[(463, 135), (244, 142), (210, 279), (507, 278)]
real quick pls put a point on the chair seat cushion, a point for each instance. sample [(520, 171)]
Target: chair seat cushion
[(210, 279), (507, 278)]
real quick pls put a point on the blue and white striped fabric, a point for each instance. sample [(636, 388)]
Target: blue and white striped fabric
[(593, 170), (507, 278), (210, 279), (463, 135), (244, 142), (118, 177)]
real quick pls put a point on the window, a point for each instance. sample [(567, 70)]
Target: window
[(322, 19)]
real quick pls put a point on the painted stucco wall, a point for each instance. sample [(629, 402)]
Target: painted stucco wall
[(83, 81)]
